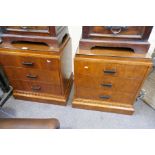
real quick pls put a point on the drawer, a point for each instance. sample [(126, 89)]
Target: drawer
[(87, 93), (37, 87), (135, 32), (43, 29), (32, 75), (29, 62), (108, 84), (105, 69)]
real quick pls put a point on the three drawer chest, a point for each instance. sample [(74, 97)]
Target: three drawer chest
[(109, 78), (36, 71)]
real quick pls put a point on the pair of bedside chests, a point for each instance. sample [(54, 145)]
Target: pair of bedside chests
[(110, 65)]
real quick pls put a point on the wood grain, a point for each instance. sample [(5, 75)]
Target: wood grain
[(126, 76), (39, 75), (132, 37)]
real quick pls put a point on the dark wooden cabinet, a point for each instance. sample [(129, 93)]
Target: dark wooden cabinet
[(39, 75), (52, 36), (133, 37)]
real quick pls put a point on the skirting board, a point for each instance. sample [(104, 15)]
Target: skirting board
[(102, 106)]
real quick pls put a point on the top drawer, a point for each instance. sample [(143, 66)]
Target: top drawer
[(42, 29), (29, 62), (102, 68), (117, 32)]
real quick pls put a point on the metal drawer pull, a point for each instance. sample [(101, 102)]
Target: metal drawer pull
[(28, 63), (106, 85), (36, 88), (109, 71), (31, 76), (105, 97), (116, 29)]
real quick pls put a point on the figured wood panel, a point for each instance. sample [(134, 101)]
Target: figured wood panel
[(37, 62), (96, 94), (97, 68), (18, 73), (39, 87), (111, 84)]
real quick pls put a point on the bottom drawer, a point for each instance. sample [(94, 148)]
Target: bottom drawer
[(38, 87), (89, 93)]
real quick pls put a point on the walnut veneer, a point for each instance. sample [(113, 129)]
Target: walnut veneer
[(43, 75), (109, 80)]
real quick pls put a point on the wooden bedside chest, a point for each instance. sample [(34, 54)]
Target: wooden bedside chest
[(134, 37), (109, 79), (37, 73), (51, 35)]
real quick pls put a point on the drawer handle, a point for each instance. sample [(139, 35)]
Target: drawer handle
[(109, 71), (116, 29), (105, 97), (28, 63), (31, 76), (36, 88), (106, 85)]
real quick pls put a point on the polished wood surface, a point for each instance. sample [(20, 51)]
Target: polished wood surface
[(117, 32), (21, 73), (40, 87), (52, 36), (134, 37), (109, 83), (39, 75)]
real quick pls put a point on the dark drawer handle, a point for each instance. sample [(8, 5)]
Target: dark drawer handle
[(36, 88), (116, 29), (106, 85), (31, 76), (28, 63), (109, 71), (105, 97)]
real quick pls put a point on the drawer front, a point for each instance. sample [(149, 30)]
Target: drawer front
[(32, 75), (29, 62), (104, 69), (42, 29), (37, 87), (117, 31), (87, 93), (108, 84)]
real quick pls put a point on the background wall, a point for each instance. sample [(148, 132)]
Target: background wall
[(75, 33)]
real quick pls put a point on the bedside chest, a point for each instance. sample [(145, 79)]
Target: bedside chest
[(39, 75), (51, 35), (134, 37), (109, 80)]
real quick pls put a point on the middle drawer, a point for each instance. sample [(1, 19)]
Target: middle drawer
[(108, 84), (29, 74)]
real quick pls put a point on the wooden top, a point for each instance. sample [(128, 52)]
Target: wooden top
[(28, 47), (117, 52)]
